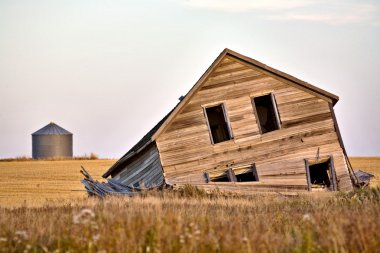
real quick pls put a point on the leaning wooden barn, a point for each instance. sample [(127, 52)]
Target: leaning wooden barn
[(243, 127)]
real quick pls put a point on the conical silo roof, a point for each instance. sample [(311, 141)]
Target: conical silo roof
[(51, 129)]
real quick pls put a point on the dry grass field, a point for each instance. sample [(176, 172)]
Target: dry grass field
[(41, 210), (33, 183), (192, 221)]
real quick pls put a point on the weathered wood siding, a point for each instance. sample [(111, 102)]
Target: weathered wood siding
[(306, 126), (145, 169)]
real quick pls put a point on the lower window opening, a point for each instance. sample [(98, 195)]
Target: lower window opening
[(320, 175), (237, 174), (246, 177)]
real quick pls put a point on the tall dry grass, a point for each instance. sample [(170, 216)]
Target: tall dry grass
[(193, 221)]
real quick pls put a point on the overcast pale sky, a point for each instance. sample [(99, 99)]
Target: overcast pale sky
[(109, 70)]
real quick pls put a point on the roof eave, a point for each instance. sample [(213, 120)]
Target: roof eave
[(189, 94), (124, 159), (334, 98)]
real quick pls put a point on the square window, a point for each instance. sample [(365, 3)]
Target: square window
[(266, 113), (218, 124)]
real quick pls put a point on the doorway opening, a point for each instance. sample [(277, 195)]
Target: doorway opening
[(321, 175)]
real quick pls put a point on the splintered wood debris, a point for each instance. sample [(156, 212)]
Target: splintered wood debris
[(363, 177), (111, 187)]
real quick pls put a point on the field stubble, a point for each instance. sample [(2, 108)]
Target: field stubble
[(34, 183)]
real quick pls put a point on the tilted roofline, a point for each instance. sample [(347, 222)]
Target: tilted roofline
[(268, 70), (154, 133)]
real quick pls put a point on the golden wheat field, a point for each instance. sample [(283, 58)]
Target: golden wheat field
[(33, 183)]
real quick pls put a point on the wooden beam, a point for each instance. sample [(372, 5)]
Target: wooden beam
[(207, 177), (333, 174), (308, 175), (208, 124), (276, 111), (227, 120), (231, 175), (336, 126), (256, 115), (254, 171)]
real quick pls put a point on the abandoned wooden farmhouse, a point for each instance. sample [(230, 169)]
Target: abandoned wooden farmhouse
[(243, 127)]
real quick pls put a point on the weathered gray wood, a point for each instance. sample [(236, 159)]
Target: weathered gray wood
[(231, 175), (207, 177), (111, 187), (308, 175), (144, 170), (256, 115), (276, 111), (227, 119), (208, 124), (254, 171)]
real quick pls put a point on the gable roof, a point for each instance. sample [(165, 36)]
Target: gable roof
[(155, 132)]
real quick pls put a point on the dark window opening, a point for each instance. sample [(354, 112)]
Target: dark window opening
[(223, 178), (246, 177), (320, 174), (266, 113), (218, 124), (237, 174)]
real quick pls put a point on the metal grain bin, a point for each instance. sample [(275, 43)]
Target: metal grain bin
[(52, 141)]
